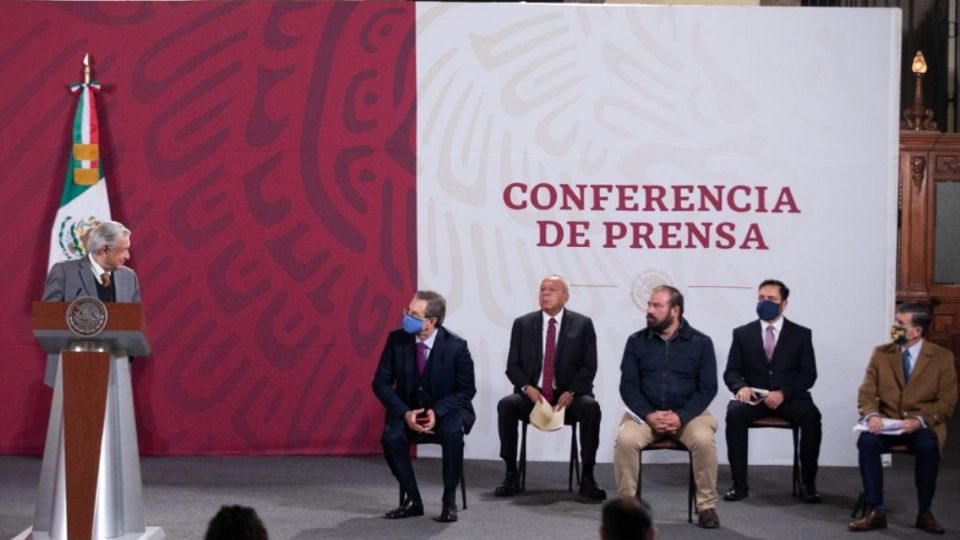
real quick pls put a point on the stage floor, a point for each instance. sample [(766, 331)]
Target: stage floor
[(305, 498)]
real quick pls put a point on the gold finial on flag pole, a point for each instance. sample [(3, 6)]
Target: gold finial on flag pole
[(87, 68)]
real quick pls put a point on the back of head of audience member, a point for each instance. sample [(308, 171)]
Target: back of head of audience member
[(627, 518), (236, 523)]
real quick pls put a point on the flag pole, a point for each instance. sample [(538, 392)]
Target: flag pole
[(87, 68)]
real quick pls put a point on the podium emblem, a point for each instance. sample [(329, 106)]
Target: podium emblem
[(86, 316)]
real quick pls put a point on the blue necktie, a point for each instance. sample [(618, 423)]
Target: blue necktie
[(906, 365)]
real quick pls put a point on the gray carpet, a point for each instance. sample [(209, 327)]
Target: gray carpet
[(305, 498)]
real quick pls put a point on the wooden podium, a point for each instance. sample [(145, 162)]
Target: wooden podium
[(90, 486)]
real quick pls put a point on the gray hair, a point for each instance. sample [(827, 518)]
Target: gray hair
[(106, 234), (436, 305), (561, 279)]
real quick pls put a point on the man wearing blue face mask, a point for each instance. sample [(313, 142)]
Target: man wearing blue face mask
[(773, 357), (425, 381)]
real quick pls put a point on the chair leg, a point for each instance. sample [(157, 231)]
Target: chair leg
[(574, 459), (576, 456), (463, 486), (796, 461), (860, 508), (691, 492), (523, 457)]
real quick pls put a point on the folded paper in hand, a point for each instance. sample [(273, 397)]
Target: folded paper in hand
[(545, 418), (759, 392), (891, 426)]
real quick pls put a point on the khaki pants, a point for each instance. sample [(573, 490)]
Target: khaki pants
[(697, 435)]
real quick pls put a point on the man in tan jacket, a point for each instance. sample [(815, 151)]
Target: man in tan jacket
[(914, 381)]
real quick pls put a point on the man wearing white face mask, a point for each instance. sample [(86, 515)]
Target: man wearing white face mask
[(425, 381), (775, 355), (915, 381)]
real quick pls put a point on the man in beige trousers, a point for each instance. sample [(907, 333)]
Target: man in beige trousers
[(668, 378)]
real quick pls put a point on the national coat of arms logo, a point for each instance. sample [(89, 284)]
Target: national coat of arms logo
[(73, 233), (644, 284), (86, 316)]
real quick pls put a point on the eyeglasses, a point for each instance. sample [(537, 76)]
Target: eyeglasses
[(406, 311)]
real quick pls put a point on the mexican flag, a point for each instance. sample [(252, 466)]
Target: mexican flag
[(84, 202)]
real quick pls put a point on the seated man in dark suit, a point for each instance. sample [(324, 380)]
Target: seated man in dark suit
[(914, 381), (552, 357), (775, 355), (425, 381)]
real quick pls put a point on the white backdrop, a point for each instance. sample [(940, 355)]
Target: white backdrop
[(795, 105)]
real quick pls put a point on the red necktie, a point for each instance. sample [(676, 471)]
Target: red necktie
[(549, 351), (421, 356)]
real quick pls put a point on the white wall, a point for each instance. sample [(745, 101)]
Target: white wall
[(797, 99)]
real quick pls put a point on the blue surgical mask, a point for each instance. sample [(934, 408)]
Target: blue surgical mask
[(767, 310), (412, 325)]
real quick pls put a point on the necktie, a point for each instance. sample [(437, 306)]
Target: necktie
[(769, 342), (549, 351), (105, 278), (421, 356), (906, 365)]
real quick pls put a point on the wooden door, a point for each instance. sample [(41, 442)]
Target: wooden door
[(928, 254)]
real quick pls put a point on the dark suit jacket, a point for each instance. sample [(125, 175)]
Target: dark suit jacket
[(930, 394), (792, 370), (575, 361), (447, 383)]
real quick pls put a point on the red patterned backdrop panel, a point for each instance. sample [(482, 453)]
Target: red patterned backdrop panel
[(264, 156)]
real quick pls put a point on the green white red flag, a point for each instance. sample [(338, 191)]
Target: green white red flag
[(84, 202)]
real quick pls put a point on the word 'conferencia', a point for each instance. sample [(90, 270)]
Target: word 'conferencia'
[(651, 198)]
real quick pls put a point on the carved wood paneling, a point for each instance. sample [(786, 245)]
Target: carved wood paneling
[(947, 166), (925, 159), (918, 168)]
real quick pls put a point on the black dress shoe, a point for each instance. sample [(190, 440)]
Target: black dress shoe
[(409, 508), (737, 492), (809, 494), (509, 487), (590, 489), (448, 514)]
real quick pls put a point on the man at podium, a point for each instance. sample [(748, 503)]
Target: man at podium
[(101, 273), (90, 486)]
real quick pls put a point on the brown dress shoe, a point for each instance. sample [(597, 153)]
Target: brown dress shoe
[(873, 520), (708, 519), (926, 522)]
